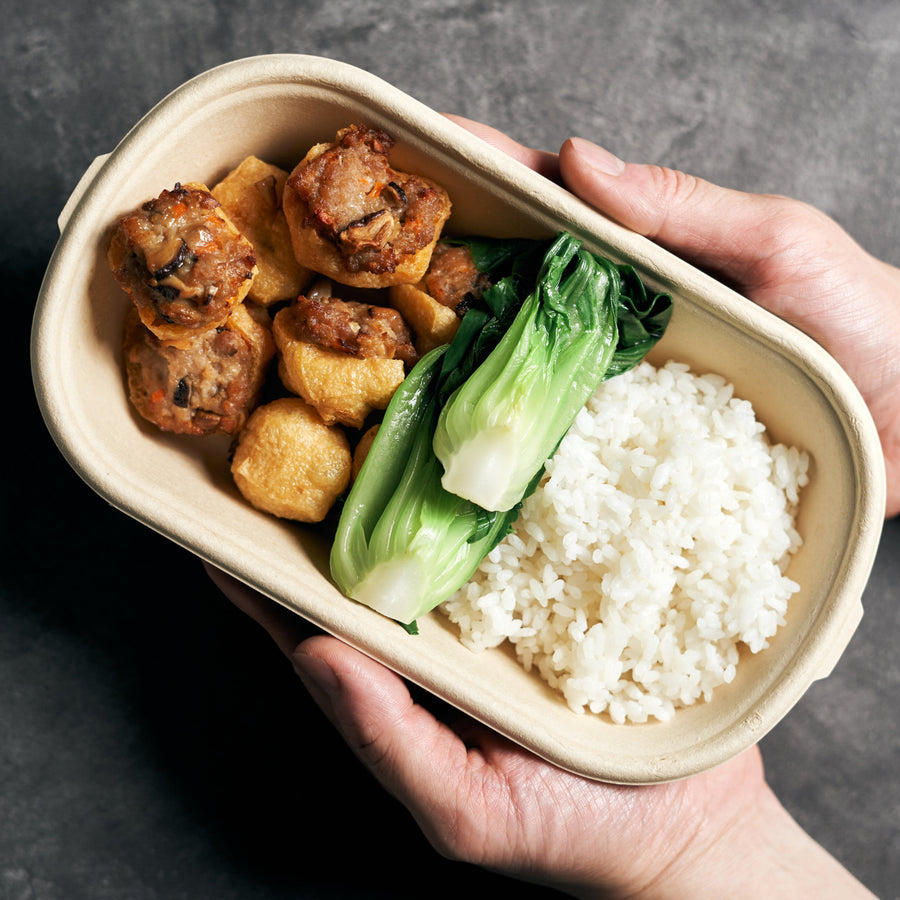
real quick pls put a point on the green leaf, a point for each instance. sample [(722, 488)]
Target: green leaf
[(642, 321)]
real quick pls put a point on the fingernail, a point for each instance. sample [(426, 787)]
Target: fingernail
[(316, 674), (598, 157)]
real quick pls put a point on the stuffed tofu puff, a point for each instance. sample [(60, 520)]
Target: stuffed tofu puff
[(313, 284), (182, 261), (435, 305), (207, 385), (344, 357), (357, 220)]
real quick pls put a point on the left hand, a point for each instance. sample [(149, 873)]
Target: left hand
[(482, 799)]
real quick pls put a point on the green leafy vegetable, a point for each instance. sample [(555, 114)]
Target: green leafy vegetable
[(403, 543), (642, 321), (493, 405)]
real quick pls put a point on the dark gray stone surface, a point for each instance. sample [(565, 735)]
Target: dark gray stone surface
[(152, 743)]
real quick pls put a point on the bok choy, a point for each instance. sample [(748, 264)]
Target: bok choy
[(500, 426), (465, 437), (404, 544)]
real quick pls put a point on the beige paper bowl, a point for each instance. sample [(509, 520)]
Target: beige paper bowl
[(277, 106)]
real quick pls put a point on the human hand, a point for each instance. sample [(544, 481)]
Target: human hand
[(785, 255), (482, 799)]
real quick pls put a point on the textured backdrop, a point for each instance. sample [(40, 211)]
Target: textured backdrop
[(152, 742)]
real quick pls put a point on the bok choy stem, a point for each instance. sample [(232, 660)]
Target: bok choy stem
[(404, 543)]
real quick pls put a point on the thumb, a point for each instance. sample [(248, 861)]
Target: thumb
[(543, 162), (414, 756), (695, 219)]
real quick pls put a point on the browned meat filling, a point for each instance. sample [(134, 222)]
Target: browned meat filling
[(205, 386), (181, 260), (374, 215), (453, 279), (357, 329)]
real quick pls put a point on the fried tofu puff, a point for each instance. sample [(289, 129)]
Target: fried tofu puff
[(361, 450), (207, 385), (182, 261), (344, 357), (251, 195), (289, 463), (357, 220), (434, 306)]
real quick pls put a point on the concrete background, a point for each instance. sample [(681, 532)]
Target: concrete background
[(152, 742)]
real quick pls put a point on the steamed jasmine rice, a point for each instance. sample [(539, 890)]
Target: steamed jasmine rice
[(654, 549)]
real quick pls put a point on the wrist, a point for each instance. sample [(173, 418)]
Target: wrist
[(761, 853)]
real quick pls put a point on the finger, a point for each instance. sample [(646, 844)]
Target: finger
[(542, 161), (286, 628), (696, 219), (414, 757), (372, 708)]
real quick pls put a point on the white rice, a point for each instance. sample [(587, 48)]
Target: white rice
[(655, 547)]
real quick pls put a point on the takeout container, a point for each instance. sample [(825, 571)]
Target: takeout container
[(277, 106)]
